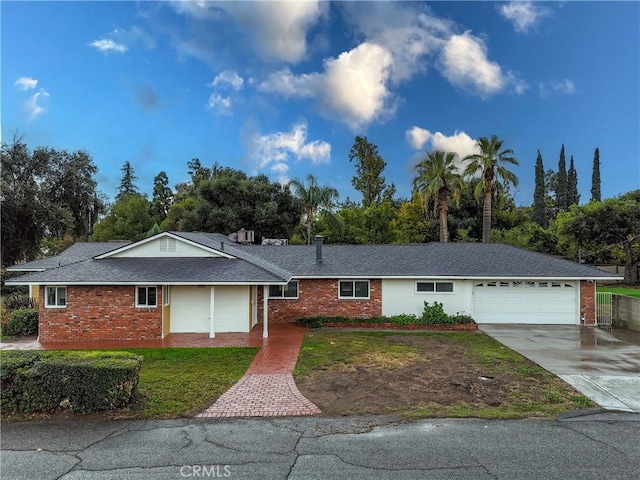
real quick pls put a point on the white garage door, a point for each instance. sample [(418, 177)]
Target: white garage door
[(533, 302), (190, 309)]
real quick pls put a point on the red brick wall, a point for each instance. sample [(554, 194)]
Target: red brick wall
[(320, 297), (100, 313), (587, 302)]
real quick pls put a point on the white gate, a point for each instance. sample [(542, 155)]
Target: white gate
[(604, 308)]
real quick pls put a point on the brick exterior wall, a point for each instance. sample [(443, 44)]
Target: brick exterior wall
[(100, 313), (587, 302), (320, 297)]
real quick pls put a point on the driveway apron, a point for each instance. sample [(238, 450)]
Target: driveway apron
[(268, 389), (602, 365)]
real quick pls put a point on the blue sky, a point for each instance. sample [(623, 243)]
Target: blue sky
[(283, 88)]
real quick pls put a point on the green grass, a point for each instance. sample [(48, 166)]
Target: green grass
[(530, 391), (628, 291), (178, 382)]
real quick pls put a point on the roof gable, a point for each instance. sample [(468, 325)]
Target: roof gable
[(166, 245)]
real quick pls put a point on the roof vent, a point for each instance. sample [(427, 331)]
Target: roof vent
[(319, 248)]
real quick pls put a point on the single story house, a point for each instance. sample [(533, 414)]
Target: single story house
[(178, 282)]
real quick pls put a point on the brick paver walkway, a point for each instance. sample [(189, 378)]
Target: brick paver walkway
[(268, 389)]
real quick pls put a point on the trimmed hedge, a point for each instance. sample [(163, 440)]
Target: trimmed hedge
[(33, 381), (23, 321), (432, 315)]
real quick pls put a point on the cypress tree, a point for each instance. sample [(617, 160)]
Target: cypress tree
[(573, 197), (561, 187), (127, 181), (539, 214), (596, 195)]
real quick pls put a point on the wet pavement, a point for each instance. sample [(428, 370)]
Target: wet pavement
[(603, 365)]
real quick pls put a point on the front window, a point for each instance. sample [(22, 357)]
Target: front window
[(353, 289), (146, 297), (431, 287), (56, 297), (289, 290)]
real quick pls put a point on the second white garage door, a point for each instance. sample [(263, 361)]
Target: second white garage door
[(532, 302), (190, 309)]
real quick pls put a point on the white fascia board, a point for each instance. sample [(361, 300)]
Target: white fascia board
[(17, 269), (448, 277), (160, 235), (58, 283)]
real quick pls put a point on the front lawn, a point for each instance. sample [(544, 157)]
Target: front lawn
[(427, 375), (180, 382), (628, 291)]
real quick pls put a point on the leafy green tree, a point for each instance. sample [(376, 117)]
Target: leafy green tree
[(573, 197), (127, 181), (128, 219), (369, 167), (162, 197), (561, 186), (539, 214), (357, 224), (529, 236), (599, 228), (491, 164), (412, 225), (596, 195), (437, 178), (312, 199)]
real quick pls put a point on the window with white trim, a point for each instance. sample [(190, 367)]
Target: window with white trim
[(353, 289), (289, 290), (434, 287), (146, 297), (55, 297)]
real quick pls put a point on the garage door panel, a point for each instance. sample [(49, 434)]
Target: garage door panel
[(190, 309), (535, 303)]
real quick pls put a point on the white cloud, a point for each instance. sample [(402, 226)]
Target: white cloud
[(353, 87), (524, 14), (565, 87), (34, 109), (275, 150), (228, 78), (278, 29), (108, 45), (465, 64), (219, 104), (459, 143), (26, 83)]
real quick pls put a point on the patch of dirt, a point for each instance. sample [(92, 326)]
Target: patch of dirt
[(439, 373)]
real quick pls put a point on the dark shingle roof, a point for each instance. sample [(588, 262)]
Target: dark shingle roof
[(77, 252), (423, 260), (154, 270)]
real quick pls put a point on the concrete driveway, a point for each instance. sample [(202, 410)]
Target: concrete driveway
[(604, 366)]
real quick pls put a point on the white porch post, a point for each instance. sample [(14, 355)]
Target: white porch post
[(212, 316), (265, 311)]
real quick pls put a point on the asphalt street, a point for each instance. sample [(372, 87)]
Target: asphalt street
[(596, 446)]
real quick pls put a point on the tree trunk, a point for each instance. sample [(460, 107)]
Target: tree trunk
[(630, 266), (444, 227), (486, 217), (308, 231)]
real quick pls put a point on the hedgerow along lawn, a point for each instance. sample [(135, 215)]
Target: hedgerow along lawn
[(427, 375)]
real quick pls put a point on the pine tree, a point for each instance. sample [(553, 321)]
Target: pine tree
[(596, 195), (539, 214), (162, 197), (561, 188), (573, 197), (127, 181)]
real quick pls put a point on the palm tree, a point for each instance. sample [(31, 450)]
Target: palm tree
[(312, 198), (437, 179), (490, 164)]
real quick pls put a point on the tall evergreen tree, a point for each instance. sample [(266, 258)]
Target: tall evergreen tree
[(369, 167), (596, 195), (539, 214), (561, 188), (162, 197), (127, 181), (573, 197)]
